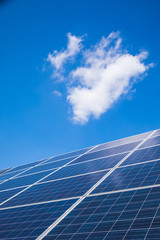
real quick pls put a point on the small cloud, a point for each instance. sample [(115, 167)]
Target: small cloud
[(107, 72), (58, 59), (57, 93)]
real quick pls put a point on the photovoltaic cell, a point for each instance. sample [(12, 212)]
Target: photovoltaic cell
[(60, 189), (107, 152), (143, 155), (45, 167), (131, 177), (23, 181), (151, 142), (30, 221), (86, 167), (118, 216)]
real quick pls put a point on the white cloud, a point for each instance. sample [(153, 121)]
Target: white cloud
[(58, 59), (57, 93), (108, 72)]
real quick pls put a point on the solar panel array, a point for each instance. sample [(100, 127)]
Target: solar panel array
[(109, 191)]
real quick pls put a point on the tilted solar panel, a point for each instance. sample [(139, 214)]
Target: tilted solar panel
[(110, 191)]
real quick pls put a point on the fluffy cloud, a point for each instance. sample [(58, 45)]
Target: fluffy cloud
[(58, 59), (107, 72)]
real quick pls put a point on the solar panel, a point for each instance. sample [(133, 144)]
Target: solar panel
[(60, 189), (46, 166), (108, 191), (124, 215), (151, 142)]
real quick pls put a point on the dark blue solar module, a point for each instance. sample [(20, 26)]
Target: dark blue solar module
[(45, 167), (23, 181), (157, 133), (107, 152), (124, 200), (118, 216), (86, 167), (120, 142), (30, 221), (25, 166), (51, 160), (151, 142), (145, 174), (71, 154), (67, 188), (143, 155), (9, 175), (9, 193)]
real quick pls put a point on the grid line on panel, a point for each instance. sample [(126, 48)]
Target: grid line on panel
[(35, 173), (102, 212), (74, 176), (91, 189), (139, 163), (108, 152), (144, 155), (39, 203), (43, 178), (137, 214), (117, 218), (29, 221), (124, 190), (151, 222)]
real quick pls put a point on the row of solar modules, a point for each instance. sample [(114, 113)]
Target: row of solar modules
[(140, 175), (85, 165), (68, 172), (125, 215), (33, 220), (72, 155), (45, 165)]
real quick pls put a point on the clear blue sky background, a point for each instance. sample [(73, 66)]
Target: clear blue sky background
[(35, 124)]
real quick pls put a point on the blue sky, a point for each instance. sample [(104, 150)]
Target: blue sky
[(35, 123)]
